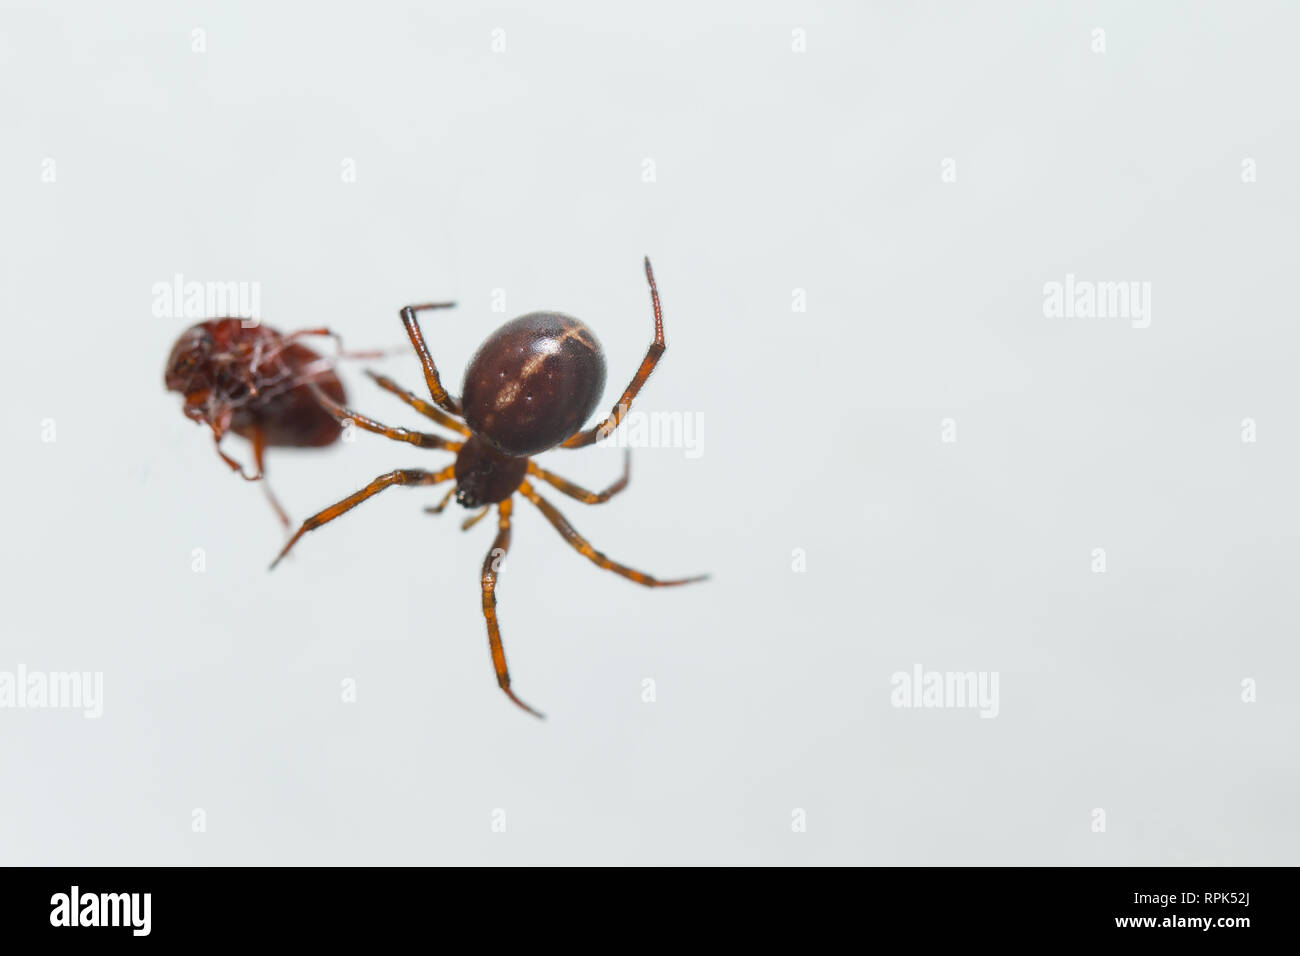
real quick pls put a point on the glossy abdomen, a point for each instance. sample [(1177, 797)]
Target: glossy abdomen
[(533, 383)]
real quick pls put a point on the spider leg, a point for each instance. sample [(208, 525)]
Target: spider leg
[(582, 494), (406, 476), (338, 343), (412, 324), (583, 547), (259, 450), (468, 522), (652, 355), (441, 506), (418, 439), (235, 466), (419, 404), (491, 565), (220, 424)]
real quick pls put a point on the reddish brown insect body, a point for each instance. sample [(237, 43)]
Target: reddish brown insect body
[(528, 388), (253, 381)]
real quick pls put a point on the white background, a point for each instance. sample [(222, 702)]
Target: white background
[(775, 170)]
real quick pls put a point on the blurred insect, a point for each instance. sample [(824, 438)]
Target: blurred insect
[(251, 380), (528, 388)]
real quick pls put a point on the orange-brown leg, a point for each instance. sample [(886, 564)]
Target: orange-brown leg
[(259, 450), (419, 404), (441, 506), (582, 494), (235, 466), (582, 439), (469, 522), (491, 566), (220, 424), (342, 414), (412, 324), (583, 547), (406, 476)]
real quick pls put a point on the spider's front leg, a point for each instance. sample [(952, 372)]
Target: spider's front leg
[(405, 476)]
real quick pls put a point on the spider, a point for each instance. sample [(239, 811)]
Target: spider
[(528, 388), (252, 380)]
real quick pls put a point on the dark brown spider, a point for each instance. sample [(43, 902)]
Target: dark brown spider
[(528, 388)]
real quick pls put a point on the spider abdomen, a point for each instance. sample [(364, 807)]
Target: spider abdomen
[(533, 383)]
